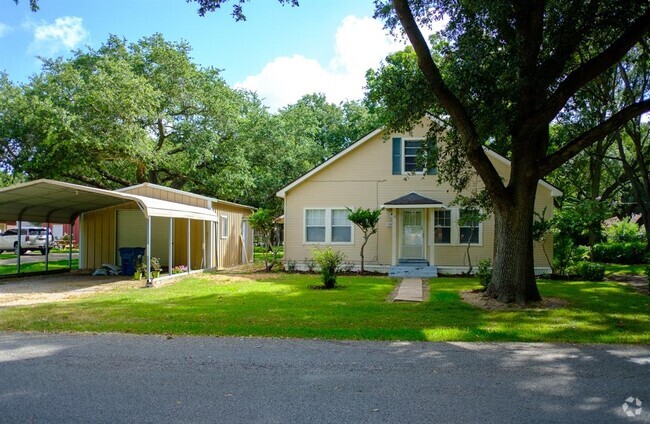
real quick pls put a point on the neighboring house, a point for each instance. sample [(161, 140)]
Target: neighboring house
[(418, 224)]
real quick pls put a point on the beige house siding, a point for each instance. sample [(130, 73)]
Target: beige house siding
[(363, 178)]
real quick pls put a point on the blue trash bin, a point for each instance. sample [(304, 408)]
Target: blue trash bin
[(127, 260)]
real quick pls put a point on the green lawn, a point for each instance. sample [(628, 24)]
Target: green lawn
[(37, 266), (638, 269), (283, 305)]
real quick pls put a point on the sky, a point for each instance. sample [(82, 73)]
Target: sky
[(281, 52)]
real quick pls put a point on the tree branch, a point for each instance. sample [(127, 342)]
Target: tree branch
[(592, 68), (591, 136), (459, 116)]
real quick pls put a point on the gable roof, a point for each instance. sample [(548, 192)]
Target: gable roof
[(184, 193), (555, 192), (413, 199), (328, 162)]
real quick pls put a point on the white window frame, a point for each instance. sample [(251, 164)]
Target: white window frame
[(225, 228), (478, 228), (328, 228), (455, 230), (404, 171), (451, 227)]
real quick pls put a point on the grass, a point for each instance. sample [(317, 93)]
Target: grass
[(282, 305), (37, 266), (637, 269)]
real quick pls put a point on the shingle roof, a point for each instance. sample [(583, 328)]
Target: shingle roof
[(413, 198)]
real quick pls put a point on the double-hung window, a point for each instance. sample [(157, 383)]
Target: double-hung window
[(315, 225), (469, 231), (413, 155), (442, 227), (327, 226)]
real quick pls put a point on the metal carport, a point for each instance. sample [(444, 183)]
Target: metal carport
[(59, 202)]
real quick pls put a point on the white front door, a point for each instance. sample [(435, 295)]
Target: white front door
[(412, 234)]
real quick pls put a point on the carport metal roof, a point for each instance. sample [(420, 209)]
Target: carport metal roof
[(58, 202)]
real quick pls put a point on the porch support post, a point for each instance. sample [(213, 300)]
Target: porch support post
[(20, 236), (393, 260), (189, 248), (149, 282), (170, 256)]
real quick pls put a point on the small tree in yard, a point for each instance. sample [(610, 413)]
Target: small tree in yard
[(366, 220), (263, 223), (329, 261), (474, 210)]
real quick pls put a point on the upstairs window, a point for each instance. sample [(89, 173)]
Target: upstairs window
[(413, 153)]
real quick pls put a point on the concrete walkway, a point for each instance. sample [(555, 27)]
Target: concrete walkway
[(410, 290)]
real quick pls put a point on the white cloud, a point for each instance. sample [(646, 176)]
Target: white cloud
[(4, 29), (64, 34), (361, 43)]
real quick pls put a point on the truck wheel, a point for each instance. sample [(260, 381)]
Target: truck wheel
[(42, 251), (16, 249)]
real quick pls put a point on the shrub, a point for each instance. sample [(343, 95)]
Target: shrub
[(329, 261), (620, 253), (647, 276), (484, 272), (623, 231), (590, 271)]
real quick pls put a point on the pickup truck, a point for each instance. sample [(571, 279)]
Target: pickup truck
[(32, 238)]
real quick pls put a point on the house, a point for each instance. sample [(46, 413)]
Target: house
[(418, 225), (179, 227)]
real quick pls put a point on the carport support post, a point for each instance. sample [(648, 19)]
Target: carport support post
[(170, 260), (149, 283), (205, 262), (20, 227), (70, 246), (189, 249), (47, 246)]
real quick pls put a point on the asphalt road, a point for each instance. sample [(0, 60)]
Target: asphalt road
[(122, 378)]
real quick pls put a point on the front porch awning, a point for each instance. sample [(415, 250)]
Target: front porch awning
[(413, 200)]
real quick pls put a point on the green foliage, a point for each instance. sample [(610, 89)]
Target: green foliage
[(263, 223), (366, 220), (589, 271), (484, 272), (623, 231), (329, 262), (632, 252)]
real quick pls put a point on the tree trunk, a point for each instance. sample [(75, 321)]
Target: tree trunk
[(513, 275)]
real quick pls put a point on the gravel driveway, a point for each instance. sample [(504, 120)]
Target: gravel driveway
[(53, 288)]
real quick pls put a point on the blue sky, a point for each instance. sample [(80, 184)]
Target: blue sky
[(281, 52)]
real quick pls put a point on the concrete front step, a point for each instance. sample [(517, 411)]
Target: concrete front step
[(401, 271)]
